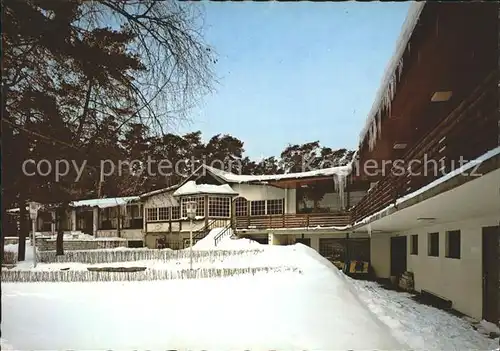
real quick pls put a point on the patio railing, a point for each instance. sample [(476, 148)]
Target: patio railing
[(466, 133)]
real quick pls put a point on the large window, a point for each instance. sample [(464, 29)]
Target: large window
[(200, 205), (134, 211), (176, 212), (414, 245), (152, 214), (159, 214), (241, 207), (219, 206), (275, 206), (163, 213), (258, 208), (433, 244), (453, 244)]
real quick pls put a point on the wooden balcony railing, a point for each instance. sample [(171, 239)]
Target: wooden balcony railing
[(465, 134), (292, 221)]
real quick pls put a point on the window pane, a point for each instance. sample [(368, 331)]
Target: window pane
[(453, 244), (176, 212), (258, 208), (433, 244), (241, 207), (275, 206), (218, 207), (152, 214), (414, 245), (163, 214)]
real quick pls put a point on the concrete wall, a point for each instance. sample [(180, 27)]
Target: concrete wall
[(132, 234), (380, 254), (459, 280), (163, 227)]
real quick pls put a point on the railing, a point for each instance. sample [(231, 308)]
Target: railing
[(214, 223), (222, 234), (466, 133), (292, 221)]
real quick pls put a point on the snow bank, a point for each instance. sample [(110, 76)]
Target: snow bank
[(488, 328), (225, 243), (286, 310), (191, 188)]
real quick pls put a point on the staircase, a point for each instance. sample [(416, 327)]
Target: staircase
[(203, 232), (222, 234)]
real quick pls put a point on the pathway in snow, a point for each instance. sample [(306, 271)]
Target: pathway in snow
[(420, 326)]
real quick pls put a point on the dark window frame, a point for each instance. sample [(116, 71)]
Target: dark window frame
[(433, 244), (453, 244)]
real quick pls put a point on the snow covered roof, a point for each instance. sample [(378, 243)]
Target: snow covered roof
[(160, 191), (236, 178), (104, 203), (191, 188), (392, 73)]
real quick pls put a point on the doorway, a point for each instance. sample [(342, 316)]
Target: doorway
[(491, 274), (398, 255)]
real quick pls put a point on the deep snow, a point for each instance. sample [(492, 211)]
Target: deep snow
[(283, 311), (318, 309)]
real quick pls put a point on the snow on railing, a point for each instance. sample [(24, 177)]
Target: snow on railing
[(110, 256), (148, 275)]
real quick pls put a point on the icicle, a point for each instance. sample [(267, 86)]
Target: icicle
[(339, 182), (400, 65), (369, 227)]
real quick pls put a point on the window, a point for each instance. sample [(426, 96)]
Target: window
[(258, 208), (134, 211), (453, 244), (433, 244), (163, 213), (200, 205), (241, 207), (152, 214), (218, 206), (414, 245), (176, 212), (275, 207)]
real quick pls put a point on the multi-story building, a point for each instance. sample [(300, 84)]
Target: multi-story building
[(436, 111)]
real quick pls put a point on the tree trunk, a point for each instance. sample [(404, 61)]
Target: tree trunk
[(23, 226), (60, 230)]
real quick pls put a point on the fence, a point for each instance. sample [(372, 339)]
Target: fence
[(102, 256), (149, 275)]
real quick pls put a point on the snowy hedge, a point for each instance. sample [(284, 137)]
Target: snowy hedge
[(111, 256), (88, 276)]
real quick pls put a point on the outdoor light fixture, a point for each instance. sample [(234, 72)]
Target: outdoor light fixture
[(441, 96), (426, 219), (191, 209), (399, 146), (191, 214)]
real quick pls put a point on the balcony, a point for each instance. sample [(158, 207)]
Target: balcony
[(466, 133), (292, 221)]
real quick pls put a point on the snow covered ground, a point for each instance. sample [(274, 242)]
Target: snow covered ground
[(318, 309), (420, 326)]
